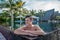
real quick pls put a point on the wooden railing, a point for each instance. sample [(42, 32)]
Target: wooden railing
[(53, 35)]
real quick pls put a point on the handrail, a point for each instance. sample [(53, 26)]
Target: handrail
[(47, 36), (50, 35)]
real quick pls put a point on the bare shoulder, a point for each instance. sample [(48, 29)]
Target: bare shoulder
[(22, 27), (19, 29), (36, 26)]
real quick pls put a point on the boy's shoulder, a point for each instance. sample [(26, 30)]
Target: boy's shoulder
[(36, 25)]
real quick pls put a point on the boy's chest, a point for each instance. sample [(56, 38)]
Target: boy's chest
[(30, 28)]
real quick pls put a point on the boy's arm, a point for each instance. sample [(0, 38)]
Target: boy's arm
[(21, 31)]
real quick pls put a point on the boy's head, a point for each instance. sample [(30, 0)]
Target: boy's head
[(28, 19)]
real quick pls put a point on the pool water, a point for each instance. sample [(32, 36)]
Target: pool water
[(47, 26)]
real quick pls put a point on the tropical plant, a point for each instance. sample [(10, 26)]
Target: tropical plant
[(4, 17), (14, 7), (40, 13), (33, 12)]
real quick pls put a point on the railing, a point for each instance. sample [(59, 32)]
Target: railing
[(54, 35)]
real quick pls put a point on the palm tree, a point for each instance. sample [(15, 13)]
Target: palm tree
[(33, 12), (20, 8), (9, 5), (40, 13), (5, 17), (14, 8)]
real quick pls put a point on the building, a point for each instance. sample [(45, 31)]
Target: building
[(50, 15)]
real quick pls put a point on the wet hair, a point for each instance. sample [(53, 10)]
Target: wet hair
[(29, 16)]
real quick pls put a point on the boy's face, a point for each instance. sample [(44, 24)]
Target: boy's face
[(28, 21)]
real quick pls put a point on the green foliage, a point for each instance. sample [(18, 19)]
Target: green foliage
[(5, 18), (33, 12), (57, 17), (40, 13)]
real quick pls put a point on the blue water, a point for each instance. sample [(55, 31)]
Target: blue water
[(47, 26)]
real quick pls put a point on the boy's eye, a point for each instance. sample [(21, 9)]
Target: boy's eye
[(26, 20)]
